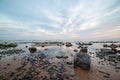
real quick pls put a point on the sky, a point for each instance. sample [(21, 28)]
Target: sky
[(60, 20)]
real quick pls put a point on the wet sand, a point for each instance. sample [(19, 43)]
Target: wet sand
[(10, 64)]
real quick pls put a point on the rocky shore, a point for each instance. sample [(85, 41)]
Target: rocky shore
[(68, 62)]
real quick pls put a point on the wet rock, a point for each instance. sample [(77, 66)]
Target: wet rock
[(32, 49), (70, 62), (58, 57), (12, 51), (75, 50), (42, 56), (46, 49), (8, 64), (82, 60), (72, 74), (65, 57), (8, 45), (84, 50), (43, 46), (113, 46), (26, 46), (2, 77), (112, 63), (105, 74), (108, 51), (118, 66), (68, 44), (12, 74), (53, 76), (105, 45)]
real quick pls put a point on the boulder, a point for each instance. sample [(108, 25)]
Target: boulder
[(82, 60)]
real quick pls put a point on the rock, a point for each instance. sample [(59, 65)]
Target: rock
[(70, 63), (107, 51), (8, 45), (42, 46), (65, 57), (82, 60), (72, 74), (53, 76), (113, 46), (8, 64), (105, 74), (32, 49), (46, 49), (75, 50), (84, 50), (42, 56), (118, 66), (26, 46), (12, 74), (105, 45), (59, 57), (68, 44)]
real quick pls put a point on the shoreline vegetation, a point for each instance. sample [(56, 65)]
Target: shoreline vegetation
[(60, 60)]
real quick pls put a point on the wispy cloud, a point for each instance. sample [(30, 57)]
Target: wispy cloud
[(68, 20)]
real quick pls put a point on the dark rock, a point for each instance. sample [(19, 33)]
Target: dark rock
[(118, 66), (105, 74), (65, 57), (59, 57), (53, 76), (43, 46), (113, 46), (12, 74), (70, 63), (26, 46), (42, 56), (68, 44), (32, 49), (109, 51), (105, 45), (82, 60), (8, 45), (72, 74), (84, 50), (8, 64), (75, 50)]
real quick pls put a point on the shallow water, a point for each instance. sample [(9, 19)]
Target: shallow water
[(51, 52)]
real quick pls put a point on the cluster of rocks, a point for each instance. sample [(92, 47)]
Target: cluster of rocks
[(35, 67), (108, 51), (111, 45), (110, 55), (12, 51), (83, 43), (112, 48)]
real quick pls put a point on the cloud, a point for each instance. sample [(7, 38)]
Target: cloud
[(68, 20), (54, 16)]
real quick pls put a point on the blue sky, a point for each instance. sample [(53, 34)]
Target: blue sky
[(59, 20)]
